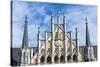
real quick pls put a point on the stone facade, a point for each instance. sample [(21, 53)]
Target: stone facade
[(58, 46)]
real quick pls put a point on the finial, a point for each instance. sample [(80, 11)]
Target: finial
[(76, 28), (38, 29), (86, 21), (25, 19), (51, 14), (64, 14), (70, 31), (58, 13)]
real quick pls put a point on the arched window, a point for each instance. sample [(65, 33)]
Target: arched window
[(42, 59), (24, 57), (49, 60), (74, 58), (62, 59), (27, 57), (68, 58), (56, 59)]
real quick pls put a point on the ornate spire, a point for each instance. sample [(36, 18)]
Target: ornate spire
[(77, 46), (64, 21), (64, 27), (64, 14), (52, 22), (87, 34), (38, 37), (76, 37), (58, 20), (52, 18), (25, 35), (52, 38), (38, 46)]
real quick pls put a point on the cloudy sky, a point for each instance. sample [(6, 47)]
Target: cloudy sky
[(39, 14)]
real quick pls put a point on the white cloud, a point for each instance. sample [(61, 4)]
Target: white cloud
[(17, 35), (76, 18)]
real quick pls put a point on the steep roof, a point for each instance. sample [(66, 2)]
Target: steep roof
[(25, 35)]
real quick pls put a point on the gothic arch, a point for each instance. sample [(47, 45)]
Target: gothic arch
[(49, 59), (42, 59), (56, 59), (25, 57), (62, 59), (68, 58), (74, 58)]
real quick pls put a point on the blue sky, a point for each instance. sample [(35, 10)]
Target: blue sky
[(39, 14)]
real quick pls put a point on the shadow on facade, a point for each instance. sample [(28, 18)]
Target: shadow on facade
[(74, 58), (62, 59), (49, 60), (56, 59), (42, 60), (68, 58)]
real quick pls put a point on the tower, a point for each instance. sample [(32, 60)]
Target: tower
[(88, 50), (25, 59), (76, 42), (45, 46), (38, 47), (52, 38), (58, 36), (65, 45)]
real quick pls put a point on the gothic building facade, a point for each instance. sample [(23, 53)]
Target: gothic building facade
[(58, 46)]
